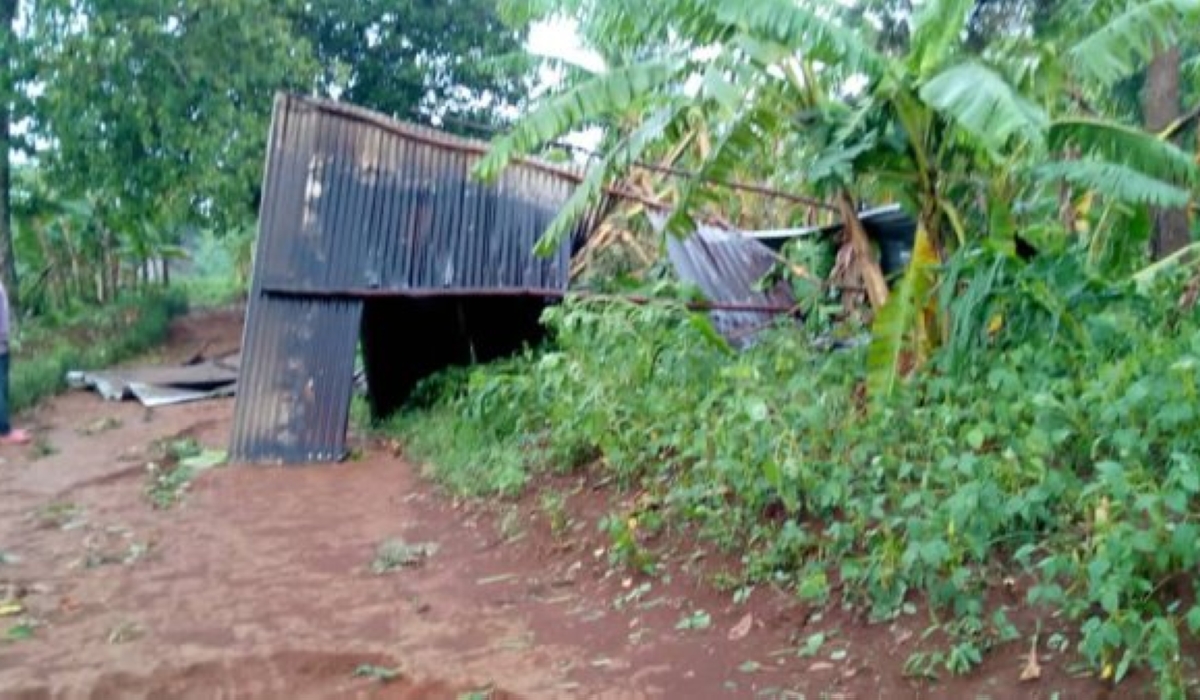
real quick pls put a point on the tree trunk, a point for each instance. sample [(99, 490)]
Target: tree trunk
[(1161, 107), (8, 39)]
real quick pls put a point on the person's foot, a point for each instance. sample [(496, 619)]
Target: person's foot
[(16, 436)]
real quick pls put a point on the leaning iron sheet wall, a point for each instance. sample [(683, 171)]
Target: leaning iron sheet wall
[(359, 209)]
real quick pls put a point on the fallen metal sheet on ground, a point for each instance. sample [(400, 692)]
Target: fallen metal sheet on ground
[(162, 386)]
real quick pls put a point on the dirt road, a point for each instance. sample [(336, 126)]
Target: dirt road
[(260, 584)]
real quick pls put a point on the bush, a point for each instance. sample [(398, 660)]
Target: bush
[(1052, 441), (43, 352)]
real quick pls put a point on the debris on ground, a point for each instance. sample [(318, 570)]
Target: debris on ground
[(163, 386)]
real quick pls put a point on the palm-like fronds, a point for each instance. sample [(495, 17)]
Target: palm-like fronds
[(981, 102), (590, 192), (603, 95), (1114, 181), (1126, 146), (938, 28), (803, 31), (1130, 40)]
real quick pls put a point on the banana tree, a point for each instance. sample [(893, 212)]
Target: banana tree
[(957, 135)]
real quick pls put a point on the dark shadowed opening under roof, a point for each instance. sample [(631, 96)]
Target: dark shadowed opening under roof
[(409, 339)]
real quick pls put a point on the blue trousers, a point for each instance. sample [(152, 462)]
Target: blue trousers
[(5, 428)]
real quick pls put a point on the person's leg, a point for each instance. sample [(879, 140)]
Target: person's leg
[(5, 427), (8, 436)]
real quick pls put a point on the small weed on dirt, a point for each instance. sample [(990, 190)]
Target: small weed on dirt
[(398, 554), (167, 484), (100, 426), (20, 632), (41, 448), (124, 632), (180, 461), (509, 526), (58, 515), (554, 507)]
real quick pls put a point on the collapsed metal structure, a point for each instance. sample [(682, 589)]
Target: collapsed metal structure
[(373, 226), (374, 236)]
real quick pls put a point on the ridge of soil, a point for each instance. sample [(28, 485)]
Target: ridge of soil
[(260, 585)]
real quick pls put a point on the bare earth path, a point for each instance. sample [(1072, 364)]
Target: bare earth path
[(259, 585)]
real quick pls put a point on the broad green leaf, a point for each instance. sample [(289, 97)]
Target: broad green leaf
[(803, 30), (1126, 146), (605, 94), (981, 102), (937, 28), (900, 326), (1114, 181)]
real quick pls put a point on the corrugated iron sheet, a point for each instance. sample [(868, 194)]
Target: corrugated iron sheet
[(297, 371), (365, 203), (728, 266), (359, 206)]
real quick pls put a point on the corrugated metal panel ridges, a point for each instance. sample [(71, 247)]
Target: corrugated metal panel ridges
[(367, 207), (297, 370), (727, 267), (355, 203)]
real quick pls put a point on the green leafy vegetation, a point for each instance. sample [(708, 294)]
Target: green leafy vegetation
[(176, 465), (1058, 450)]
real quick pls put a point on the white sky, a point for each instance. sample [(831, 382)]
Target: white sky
[(560, 39)]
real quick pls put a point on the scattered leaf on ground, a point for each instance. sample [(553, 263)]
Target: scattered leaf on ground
[(378, 673), (742, 628), (19, 632), (10, 609), (124, 632), (1032, 670), (749, 667), (699, 620), (813, 644), (206, 459)]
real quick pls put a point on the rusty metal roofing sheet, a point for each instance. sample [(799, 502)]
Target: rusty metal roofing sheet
[(356, 206), (728, 266), (360, 202), (295, 386)]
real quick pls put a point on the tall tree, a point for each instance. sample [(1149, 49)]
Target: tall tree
[(421, 60), (159, 111), (8, 40)]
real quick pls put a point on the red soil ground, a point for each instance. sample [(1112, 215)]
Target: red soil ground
[(259, 585)]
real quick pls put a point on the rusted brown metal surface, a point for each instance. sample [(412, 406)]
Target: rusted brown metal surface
[(728, 266), (354, 206)]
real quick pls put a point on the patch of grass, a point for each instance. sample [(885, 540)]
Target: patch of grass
[(179, 461), (166, 485), (464, 456)]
